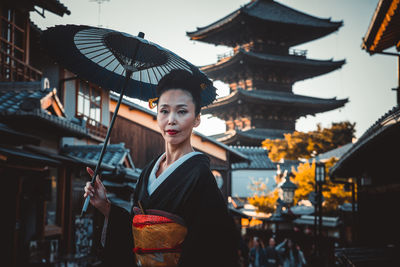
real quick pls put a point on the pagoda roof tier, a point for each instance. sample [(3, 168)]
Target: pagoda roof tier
[(296, 67), (265, 20), (251, 137), (304, 105)]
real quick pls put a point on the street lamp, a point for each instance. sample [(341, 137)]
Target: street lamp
[(288, 189), (319, 181), (320, 172), (285, 200)]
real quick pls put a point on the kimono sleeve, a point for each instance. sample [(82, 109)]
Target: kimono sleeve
[(119, 240), (212, 238)]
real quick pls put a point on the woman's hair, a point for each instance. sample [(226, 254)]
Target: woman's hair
[(184, 80)]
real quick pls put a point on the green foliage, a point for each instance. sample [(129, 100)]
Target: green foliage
[(306, 145)]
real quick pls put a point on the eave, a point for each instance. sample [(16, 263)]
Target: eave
[(39, 119), (264, 15), (248, 137), (53, 6), (308, 105), (379, 142), (384, 30), (298, 67)]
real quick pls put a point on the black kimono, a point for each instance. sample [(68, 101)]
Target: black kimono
[(190, 192)]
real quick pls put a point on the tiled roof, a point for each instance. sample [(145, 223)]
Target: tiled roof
[(384, 29), (54, 6), (114, 156), (251, 137), (258, 158), (311, 104), (298, 67), (20, 101), (334, 153), (12, 94), (272, 11), (387, 123), (258, 133), (320, 66), (263, 134)]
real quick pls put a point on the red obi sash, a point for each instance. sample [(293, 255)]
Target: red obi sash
[(158, 237)]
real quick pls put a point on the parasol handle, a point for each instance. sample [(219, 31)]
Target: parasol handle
[(103, 150), (128, 74)]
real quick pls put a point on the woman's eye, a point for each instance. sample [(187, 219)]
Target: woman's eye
[(163, 111), (182, 111)]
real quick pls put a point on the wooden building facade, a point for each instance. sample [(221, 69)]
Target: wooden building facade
[(371, 161), (47, 138)]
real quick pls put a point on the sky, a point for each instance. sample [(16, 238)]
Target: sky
[(367, 81)]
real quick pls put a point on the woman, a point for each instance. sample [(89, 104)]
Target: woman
[(179, 214), (292, 256)]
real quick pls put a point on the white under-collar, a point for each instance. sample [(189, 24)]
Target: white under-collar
[(154, 181)]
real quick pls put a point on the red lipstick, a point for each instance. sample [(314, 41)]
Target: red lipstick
[(172, 132)]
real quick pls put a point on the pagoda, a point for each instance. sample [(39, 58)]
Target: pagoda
[(262, 69)]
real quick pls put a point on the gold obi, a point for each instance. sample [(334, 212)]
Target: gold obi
[(158, 237)]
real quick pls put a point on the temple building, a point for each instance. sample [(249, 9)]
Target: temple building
[(262, 69)]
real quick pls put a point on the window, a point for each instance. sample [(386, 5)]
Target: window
[(14, 28), (13, 37), (52, 206), (89, 103)]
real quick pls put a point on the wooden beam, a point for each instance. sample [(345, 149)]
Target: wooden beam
[(385, 24), (21, 167)]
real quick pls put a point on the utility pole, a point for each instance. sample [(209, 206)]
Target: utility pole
[(99, 2)]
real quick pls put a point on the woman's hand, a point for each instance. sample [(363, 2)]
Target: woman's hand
[(97, 194)]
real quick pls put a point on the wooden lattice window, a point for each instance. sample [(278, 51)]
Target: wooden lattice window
[(14, 47)]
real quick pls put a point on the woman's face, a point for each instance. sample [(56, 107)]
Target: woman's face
[(176, 116)]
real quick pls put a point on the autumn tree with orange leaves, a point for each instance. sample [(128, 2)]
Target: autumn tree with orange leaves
[(305, 145)]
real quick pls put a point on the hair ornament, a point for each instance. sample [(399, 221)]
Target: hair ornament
[(153, 102)]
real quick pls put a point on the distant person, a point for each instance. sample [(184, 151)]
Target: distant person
[(257, 254), (291, 254), (272, 255)]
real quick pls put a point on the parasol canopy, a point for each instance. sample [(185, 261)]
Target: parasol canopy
[(104, 56)]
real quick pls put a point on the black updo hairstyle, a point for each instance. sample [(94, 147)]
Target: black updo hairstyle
[(184, 80)]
